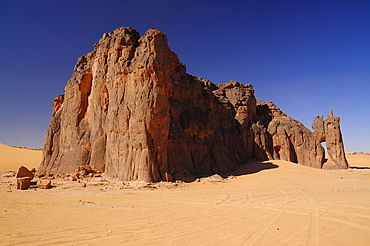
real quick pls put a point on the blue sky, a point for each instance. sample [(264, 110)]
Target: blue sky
[(305, 56)]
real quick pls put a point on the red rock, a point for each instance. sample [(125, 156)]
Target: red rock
[(140, 117), (24, 172), (130, 110), (23, 183)]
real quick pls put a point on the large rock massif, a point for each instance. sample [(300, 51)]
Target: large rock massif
[(131, 110)]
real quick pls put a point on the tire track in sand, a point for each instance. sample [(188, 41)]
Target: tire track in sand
[(313, 235), (255, 237)]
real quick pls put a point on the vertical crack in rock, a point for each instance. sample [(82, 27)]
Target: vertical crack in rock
[(85, 89)]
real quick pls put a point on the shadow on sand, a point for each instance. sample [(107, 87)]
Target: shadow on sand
[(253, 167), (354, 167), (247, 168)]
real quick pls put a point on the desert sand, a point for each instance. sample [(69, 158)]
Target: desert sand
[(263, 203), (11, 158)]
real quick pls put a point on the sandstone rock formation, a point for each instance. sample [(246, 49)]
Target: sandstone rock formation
[(131, 110), (294, 142), (329, 131)]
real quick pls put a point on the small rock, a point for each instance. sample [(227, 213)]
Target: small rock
[(24, 172), (44, 184)]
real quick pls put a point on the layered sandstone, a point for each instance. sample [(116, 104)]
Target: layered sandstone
[(131, 110)]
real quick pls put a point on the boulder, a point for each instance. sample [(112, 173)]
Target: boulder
[(24, 172), (44, 183), (23, 183)]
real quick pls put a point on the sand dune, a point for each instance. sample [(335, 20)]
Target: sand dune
[(359, 160), (11, 158), (270, 203)]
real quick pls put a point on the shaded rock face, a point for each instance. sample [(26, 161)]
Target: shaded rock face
[(292, 141), (131, 110)]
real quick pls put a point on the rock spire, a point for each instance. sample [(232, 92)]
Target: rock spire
[(329, 131)]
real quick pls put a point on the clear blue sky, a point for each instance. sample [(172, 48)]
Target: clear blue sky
[(305, 56)]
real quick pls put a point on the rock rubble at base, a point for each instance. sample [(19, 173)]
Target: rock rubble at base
[(23, 178), (26, 178), (131, 111)]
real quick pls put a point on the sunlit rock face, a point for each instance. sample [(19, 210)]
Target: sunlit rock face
[(329, 131), (131, 110)]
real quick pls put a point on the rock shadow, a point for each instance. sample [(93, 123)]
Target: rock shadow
[(247, 168), (253, 167), (354, 167)]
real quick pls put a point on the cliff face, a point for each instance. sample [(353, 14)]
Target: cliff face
[(131, 110)]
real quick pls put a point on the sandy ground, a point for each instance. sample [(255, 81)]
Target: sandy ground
[(270, 203)]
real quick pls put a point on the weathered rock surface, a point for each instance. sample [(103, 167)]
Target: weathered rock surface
[(334, 143), (240, 97), (294, 142), (131, 110), (319, 128)]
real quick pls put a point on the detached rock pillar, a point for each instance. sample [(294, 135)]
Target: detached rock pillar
[(329, 131), (334, 143)]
